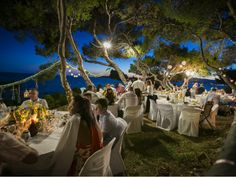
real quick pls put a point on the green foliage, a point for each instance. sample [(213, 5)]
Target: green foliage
[(49, 75), (56, 100)]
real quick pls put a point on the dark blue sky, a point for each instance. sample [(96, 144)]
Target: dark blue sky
[(20, 57)]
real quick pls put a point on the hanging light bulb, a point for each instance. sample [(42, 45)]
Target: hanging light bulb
[(69, 70), (169, 67), (224, 75), (107, 44), (231, 80), (184, 63), (220, 69)]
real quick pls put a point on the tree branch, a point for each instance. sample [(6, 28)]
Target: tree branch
[(231, 9), (96, 62)]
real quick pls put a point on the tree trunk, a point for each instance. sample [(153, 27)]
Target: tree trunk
[(61, 10), (79, 57), (115, 66)]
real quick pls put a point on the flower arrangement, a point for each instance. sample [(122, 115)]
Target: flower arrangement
[(33, 117)]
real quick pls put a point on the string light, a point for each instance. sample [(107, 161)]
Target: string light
[(169, 67), (107, 44), (184, 63)]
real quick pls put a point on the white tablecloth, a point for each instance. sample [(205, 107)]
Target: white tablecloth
[(177, 107), (44, 143)]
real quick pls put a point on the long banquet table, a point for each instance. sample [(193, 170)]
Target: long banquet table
[(45, 144)]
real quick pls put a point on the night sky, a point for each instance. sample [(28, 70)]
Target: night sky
[(20, 57)]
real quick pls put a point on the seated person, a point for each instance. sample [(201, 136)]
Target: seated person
[(120, 89), (34, 99), (91, 89), (201, 89), (108, 122), (13, 150), (89, 138), (110, 96), (129, 98)]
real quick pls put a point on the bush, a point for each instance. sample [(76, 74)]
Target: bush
[(56, 100)]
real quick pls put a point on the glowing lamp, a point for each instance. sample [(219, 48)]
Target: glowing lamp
[(169, 67), (107, 45), (184, 63)]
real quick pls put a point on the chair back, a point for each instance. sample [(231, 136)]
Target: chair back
[(113, 109), (98, 164), (207, 109), (64, 153), (153, 110), (132, 111), (134, 116), (117, 164), (166, 118)]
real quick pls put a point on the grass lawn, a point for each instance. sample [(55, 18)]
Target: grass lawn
[(158, 152)]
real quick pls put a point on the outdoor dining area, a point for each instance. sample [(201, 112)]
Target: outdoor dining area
[(117, 88), (52, 133)]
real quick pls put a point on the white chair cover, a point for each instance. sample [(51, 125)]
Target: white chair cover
[(134, 116), (98, 164), (189, 122), (166, 118), (66, 147), (212, 118), (117, 163), (114, 109), (153, 110)]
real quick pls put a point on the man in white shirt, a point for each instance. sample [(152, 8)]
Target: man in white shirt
[(138, 84), (128, 99), (108, 122), (34, 99)]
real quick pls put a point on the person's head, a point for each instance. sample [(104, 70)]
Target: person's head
[(99, 86), (88, 96), (81, 106), (77, 91), (33, 94), (130, 89), (110, 96), (101, 106), (149, 82), (89, 88), (213, 89)]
